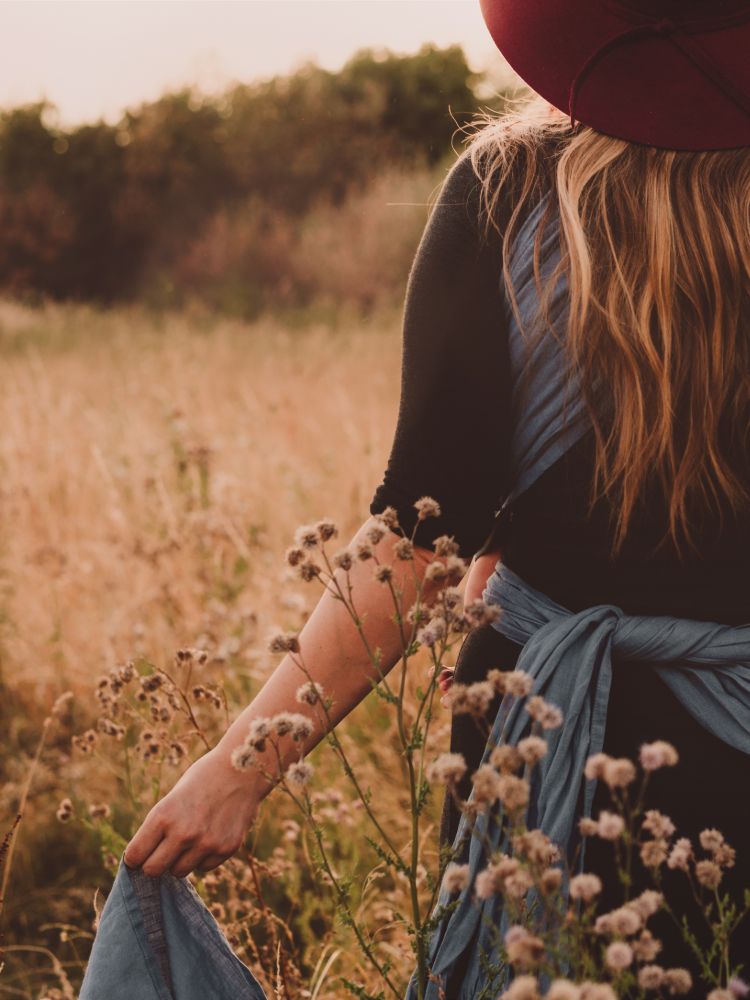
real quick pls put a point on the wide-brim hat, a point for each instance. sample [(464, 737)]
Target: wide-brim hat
[(667, 73)]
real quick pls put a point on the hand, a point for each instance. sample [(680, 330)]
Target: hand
[(200, 823)]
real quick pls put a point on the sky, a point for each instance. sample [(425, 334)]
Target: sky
[(94, 58)]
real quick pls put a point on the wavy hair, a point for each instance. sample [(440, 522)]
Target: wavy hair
[(655, 244)]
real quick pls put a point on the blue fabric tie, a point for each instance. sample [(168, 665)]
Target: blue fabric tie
[(569, 656)]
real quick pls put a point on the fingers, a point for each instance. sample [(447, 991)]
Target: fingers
[(196, 860), (145, 841), (164, 856)]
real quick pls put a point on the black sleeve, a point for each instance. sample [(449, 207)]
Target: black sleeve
[(452, 433)]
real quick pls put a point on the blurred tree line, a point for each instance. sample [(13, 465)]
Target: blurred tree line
[(223, 198)]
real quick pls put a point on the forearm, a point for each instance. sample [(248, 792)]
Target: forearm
[(333, 652)]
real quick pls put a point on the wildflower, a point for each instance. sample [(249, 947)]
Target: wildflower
[(110, 728), (176, 751), (585, 886), (588, 826), (376, 532), (547, 715), (518, 884), (518, 683), (343, 560), (294, 555), (522, 948), (536, 846), (486, 884), (522, 988), (310, 693), (654, 853), (432, 633), (513, 791), (725, 855), (622, 921), (738, 987), (480, 613), (447, 769), (658, 824), (308, 570), (594, 767), (436, 571), (444, 545), (404, 549), (610, 826), (563, 989), (478, 697), (363, 550), (497, 680), (99, 810), (300, 773), (619, 956), (258, 732), (291, 830), (619, 772), (550, 881), (597, 991), (302, 726), (243, 757), (326, 529), (389, 517), (708, 873), (678, 980), (64, 810), (307, 536), (284, 642), (646, 947), (506, 758), (711, 839), (680, 854), (650, 977), (532, 749), (456, 877), (657, 754), (383, 574), (427, 507), (647, 903), (486, 783), (192, 655)]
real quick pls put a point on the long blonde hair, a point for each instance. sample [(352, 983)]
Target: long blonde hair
[(656, 248)]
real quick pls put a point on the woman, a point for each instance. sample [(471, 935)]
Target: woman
[(638, 147)]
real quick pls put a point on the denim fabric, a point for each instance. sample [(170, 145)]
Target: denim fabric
[(569, 657), (157, 940)]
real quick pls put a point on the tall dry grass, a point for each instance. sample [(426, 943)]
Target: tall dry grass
[(153, 472)]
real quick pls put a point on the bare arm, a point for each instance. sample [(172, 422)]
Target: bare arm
[(203, 820)]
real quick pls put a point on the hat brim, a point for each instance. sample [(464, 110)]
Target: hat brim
[(644, 90)]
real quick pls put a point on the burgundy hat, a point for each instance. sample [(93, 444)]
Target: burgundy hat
[(667, 73)]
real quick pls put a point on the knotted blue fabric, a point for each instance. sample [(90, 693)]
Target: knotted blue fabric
[(569, 658), (568, 655)]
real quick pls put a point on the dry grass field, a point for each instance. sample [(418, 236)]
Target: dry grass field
[(153, 473)]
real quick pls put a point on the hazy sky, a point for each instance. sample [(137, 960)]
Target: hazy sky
[(96, 57)]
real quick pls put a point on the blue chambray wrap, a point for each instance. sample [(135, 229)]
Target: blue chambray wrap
[(568, 655)]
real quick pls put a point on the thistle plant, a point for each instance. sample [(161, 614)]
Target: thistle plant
[(553, 941)]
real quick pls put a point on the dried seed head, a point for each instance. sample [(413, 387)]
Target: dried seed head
[(310, 693), (294, 555), (403, 549), (343, 560), (326, 529), (383, 573), (427, 507), (284, 642), (307, 536), (300, 773)]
